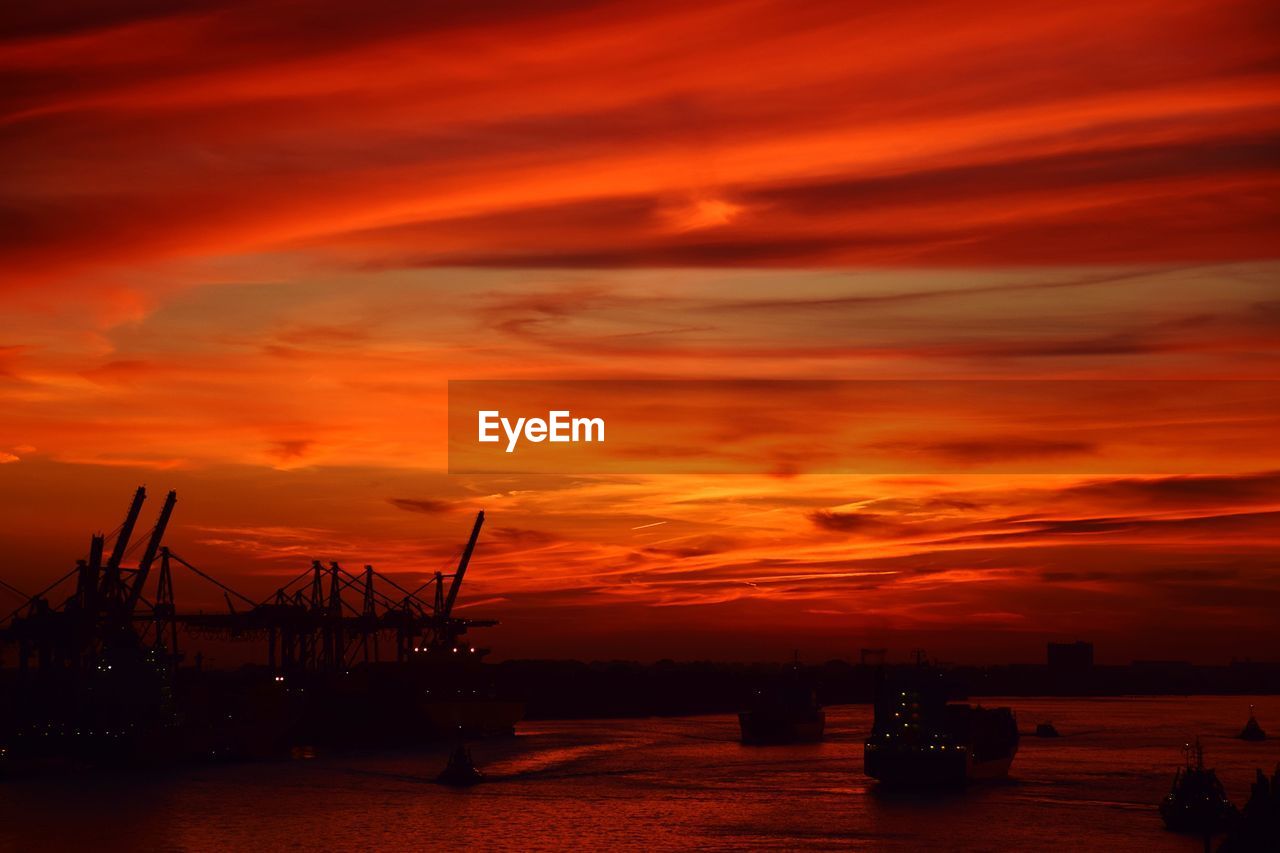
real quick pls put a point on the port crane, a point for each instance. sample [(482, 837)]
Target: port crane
[(312, 622), (98, 618), (326, 619)]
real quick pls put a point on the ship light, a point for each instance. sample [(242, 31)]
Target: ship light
[(473, 649), (455, 648)]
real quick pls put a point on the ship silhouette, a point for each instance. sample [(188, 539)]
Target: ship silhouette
[(918, 738), (1196, 803), (1252, 731), (786, 711), (1257, 828), (460, 771)]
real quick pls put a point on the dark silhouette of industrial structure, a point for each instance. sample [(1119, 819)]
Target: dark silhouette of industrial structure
[(325, 619), (98, 669)]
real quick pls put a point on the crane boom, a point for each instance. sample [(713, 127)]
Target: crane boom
[(126, 529), (462, 565), (153, 546)]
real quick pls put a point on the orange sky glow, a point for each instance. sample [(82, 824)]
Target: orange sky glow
[(246, 246)]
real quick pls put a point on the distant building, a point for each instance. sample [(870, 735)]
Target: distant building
[(1071, 657)]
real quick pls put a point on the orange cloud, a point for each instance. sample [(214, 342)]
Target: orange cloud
[(814, 138), (246, 245)]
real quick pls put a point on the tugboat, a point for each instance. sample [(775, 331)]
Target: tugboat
[(787, 712), (1252, 731), (1046, 729), (919, 739), (461, 771), (1197, 803)]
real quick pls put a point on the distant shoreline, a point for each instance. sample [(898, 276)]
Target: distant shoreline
[(560, 689)]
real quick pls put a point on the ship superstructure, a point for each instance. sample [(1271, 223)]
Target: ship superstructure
[(918, 737)]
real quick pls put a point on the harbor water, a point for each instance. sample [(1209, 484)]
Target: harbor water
[(647, 784)]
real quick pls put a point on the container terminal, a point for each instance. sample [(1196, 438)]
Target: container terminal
[(93, 671)]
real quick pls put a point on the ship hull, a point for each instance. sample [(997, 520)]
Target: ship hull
[(472, 717), (929, 768), (399, 704), (900, 768), (987, 771), (762, 729)]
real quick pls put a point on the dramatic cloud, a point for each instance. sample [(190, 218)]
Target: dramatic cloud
[(423, 505), (246, 245), (994, 448), (603, 135)]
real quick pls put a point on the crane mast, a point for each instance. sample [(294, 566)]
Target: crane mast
[(126, 529), (309, 624), (462, 566), (153, 547)]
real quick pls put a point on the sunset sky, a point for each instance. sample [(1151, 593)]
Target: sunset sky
[(245, 246)]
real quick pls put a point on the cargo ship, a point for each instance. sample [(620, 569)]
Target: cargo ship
[(919, 738), (471, 716), (785, 712), (427, 697)]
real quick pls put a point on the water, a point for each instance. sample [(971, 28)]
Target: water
[(666, 783)]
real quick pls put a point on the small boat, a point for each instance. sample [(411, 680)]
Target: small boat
[(1046, 730), (1196, 802), (461, 771), (1252, 731)]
